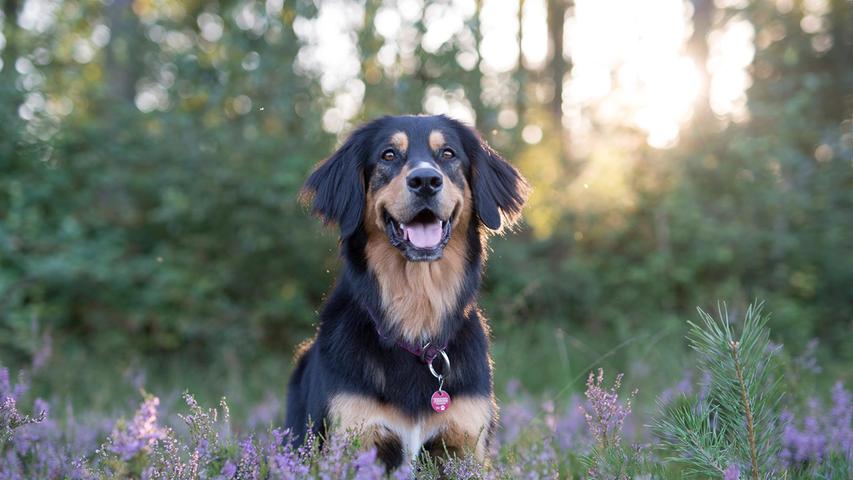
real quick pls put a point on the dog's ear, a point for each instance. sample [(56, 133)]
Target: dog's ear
[(335, 189), (499, 189)]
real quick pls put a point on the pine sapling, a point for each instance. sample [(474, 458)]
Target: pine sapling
[(734, 426)]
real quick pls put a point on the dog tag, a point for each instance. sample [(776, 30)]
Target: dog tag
[(440, 401)]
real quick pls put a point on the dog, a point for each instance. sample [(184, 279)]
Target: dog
[(401, 352)]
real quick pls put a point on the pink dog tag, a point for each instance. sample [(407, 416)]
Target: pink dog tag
[(440, 401)]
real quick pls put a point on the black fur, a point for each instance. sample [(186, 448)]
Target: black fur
[(389, 450), (348, 350), (499, 190), (437, 448), (337, 184)]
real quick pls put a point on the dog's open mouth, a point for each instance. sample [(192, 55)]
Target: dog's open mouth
[(421, 238)]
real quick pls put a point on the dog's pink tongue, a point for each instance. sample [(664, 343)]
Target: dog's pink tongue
[(424, 235)]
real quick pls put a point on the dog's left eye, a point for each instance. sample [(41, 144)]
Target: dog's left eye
[(447, 153), (389, 155)]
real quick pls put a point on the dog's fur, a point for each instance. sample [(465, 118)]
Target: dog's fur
[(353, 374)]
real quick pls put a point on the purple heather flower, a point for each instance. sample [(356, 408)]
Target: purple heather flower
[(570, 434), (732, 472), (403, 473), (228, 470), (819, 434), (808, 443), (464, 468), (141, 434), (286, 464), (539, 461), (5, 385), (841, 421), (282, 459), (333, 463), (265, 413), (366, 466), (605, 414), (249, 460), (515, 417)]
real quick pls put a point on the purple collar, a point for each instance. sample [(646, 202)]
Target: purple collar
[(426, 353)]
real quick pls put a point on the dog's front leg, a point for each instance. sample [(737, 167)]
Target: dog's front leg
[(378, 425), (465, 428)]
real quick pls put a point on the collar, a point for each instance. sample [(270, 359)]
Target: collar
[(426, 353)]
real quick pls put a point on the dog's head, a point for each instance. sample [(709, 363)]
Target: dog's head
[(418, 179)]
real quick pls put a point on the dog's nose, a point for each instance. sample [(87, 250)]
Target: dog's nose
[(424, 181)]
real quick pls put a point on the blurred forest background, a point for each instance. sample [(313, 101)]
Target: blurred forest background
[(681, 152)]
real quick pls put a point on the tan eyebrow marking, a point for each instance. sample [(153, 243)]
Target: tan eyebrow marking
[(436, 140), (401, 141)]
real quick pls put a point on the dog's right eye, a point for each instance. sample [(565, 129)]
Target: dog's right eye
[(389, 155)]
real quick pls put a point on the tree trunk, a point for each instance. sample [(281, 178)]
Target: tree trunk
[(475, 96), (556, 22), (122, 65), (703, 11), (520, 72)]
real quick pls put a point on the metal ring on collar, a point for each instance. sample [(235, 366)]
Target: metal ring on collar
[(446, 366)]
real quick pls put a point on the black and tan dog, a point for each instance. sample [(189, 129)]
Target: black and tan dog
[(401, 351)]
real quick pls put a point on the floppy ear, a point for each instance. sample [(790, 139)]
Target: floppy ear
[(499, 189), (335, 189)]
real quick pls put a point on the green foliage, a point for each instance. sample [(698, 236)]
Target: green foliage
[(170, 230), (736, 423), (687, 430)]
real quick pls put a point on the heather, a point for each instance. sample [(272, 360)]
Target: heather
[(679, 152), (732, 422)]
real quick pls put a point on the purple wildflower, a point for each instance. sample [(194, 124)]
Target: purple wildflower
[(366, 466), (228, 470), (570, 434), (265, 413), (403, 473), (5, 386), (250, 467), (515, 417), (539, 461), (11, 419), (819, 434), (283, 461), (333, 464), (141, 434), (802, 445), (286, 464), (841, 421), (464, 468), (605, 414)]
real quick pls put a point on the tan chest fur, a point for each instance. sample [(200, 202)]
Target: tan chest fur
[(416, 296)]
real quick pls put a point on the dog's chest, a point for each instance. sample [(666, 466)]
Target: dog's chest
[(413, 435)]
